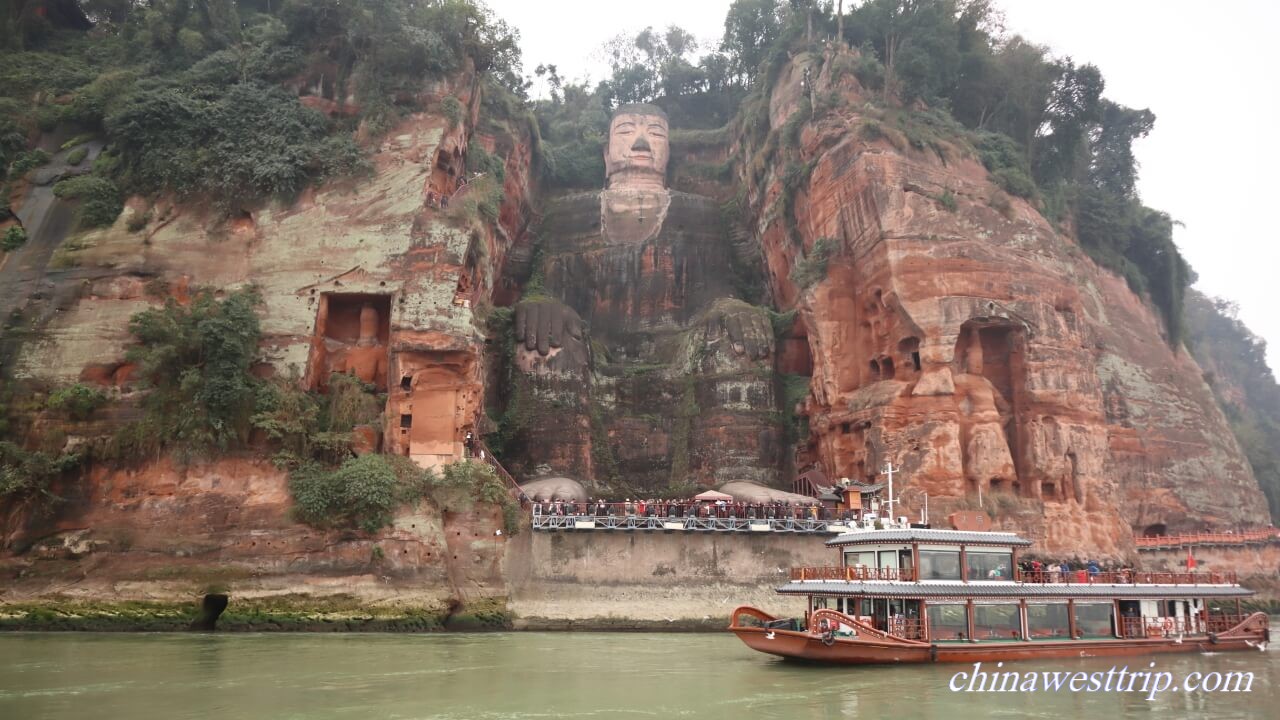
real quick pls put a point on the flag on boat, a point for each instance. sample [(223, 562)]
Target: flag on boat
[(1191, 561)]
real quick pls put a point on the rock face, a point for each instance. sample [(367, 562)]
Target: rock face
[(164, 531), (957, 334), (366, 276), (939, 324)]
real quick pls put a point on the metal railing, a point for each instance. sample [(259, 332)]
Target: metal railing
[(853, 573), (480, 451), (1126, 577), (687, 524), (1239, 538)]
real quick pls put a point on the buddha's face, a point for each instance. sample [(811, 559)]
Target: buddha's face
[(637, 152)]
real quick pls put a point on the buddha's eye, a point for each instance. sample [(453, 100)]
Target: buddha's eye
[(625, 128)]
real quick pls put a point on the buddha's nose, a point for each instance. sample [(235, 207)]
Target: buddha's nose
[(641, 143)]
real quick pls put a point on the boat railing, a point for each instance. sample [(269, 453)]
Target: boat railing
[(907, 628), (1166, 627), (852, 573), (1126, 577)]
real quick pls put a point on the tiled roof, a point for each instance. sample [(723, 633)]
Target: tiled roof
[(929, 536), (1011, 590)]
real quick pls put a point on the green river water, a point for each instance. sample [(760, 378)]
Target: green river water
[(543, 675)]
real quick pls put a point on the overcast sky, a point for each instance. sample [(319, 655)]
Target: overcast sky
[(1207, 70)]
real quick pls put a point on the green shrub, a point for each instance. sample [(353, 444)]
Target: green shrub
[(1015, 181), (77, 156), (13, 238), (452, 110), (80, 139), (28, 475), (482, 161), (1008, 166), (79, 401), (196, 358), (28, 161), (362, 493), (469, 481), (249, 142), (812, 268), (100, 200), (311, 427), (947, 200)]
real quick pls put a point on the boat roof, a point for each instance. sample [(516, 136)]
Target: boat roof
[(968, 537), (1030, 591)]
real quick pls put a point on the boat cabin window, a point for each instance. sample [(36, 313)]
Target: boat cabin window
[(989, 565), (948, 621), (1048, 621), (939, 564), (1095, 619), (855, 558), (888, 558), (997, 622)]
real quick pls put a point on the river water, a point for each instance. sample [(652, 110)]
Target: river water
[(543, 675)]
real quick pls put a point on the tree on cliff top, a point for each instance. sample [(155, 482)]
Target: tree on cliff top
[(1235, 364), (201, 96)]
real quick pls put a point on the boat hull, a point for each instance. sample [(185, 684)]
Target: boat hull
[(878, 649)]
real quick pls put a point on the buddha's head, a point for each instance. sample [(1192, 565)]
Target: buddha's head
[(636, 156), (368, 325)]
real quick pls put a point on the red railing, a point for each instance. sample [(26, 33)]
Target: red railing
[(1127, 577), (1239, 538), (1071, 577), (852, 573), (1157, 627)]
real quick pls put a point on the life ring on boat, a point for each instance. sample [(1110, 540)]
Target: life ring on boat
[(1167, 625), (829, 638)]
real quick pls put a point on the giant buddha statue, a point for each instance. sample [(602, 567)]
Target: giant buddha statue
[(638, 367)]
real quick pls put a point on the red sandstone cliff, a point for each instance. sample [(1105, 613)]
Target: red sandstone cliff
[(964, 338), (957, 333), (369, 251)]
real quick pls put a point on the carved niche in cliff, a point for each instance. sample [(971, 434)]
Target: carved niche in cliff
[(638, 326), (351, 336), (430, 408), (989, 380)]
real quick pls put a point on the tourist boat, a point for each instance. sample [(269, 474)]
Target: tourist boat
[(904, 594)]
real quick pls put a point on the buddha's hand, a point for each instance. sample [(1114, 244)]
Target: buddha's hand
[(747, 330), (544, 325)]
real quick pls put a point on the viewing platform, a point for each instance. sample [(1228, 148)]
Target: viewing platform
[(1247, 537), (689, 524)]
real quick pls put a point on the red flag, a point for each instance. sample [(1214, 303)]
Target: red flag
[(1191, 561)]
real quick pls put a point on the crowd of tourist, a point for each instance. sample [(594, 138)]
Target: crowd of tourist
[(1035, 570), (691, 508)]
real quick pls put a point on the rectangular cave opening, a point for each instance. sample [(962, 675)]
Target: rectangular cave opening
[(342, 316), (352, 333)]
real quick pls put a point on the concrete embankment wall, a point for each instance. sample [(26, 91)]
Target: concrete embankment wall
[(635, 579)]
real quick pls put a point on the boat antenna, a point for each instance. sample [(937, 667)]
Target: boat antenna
[(889, 470)]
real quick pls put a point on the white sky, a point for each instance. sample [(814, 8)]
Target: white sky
[(1207, 70)]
